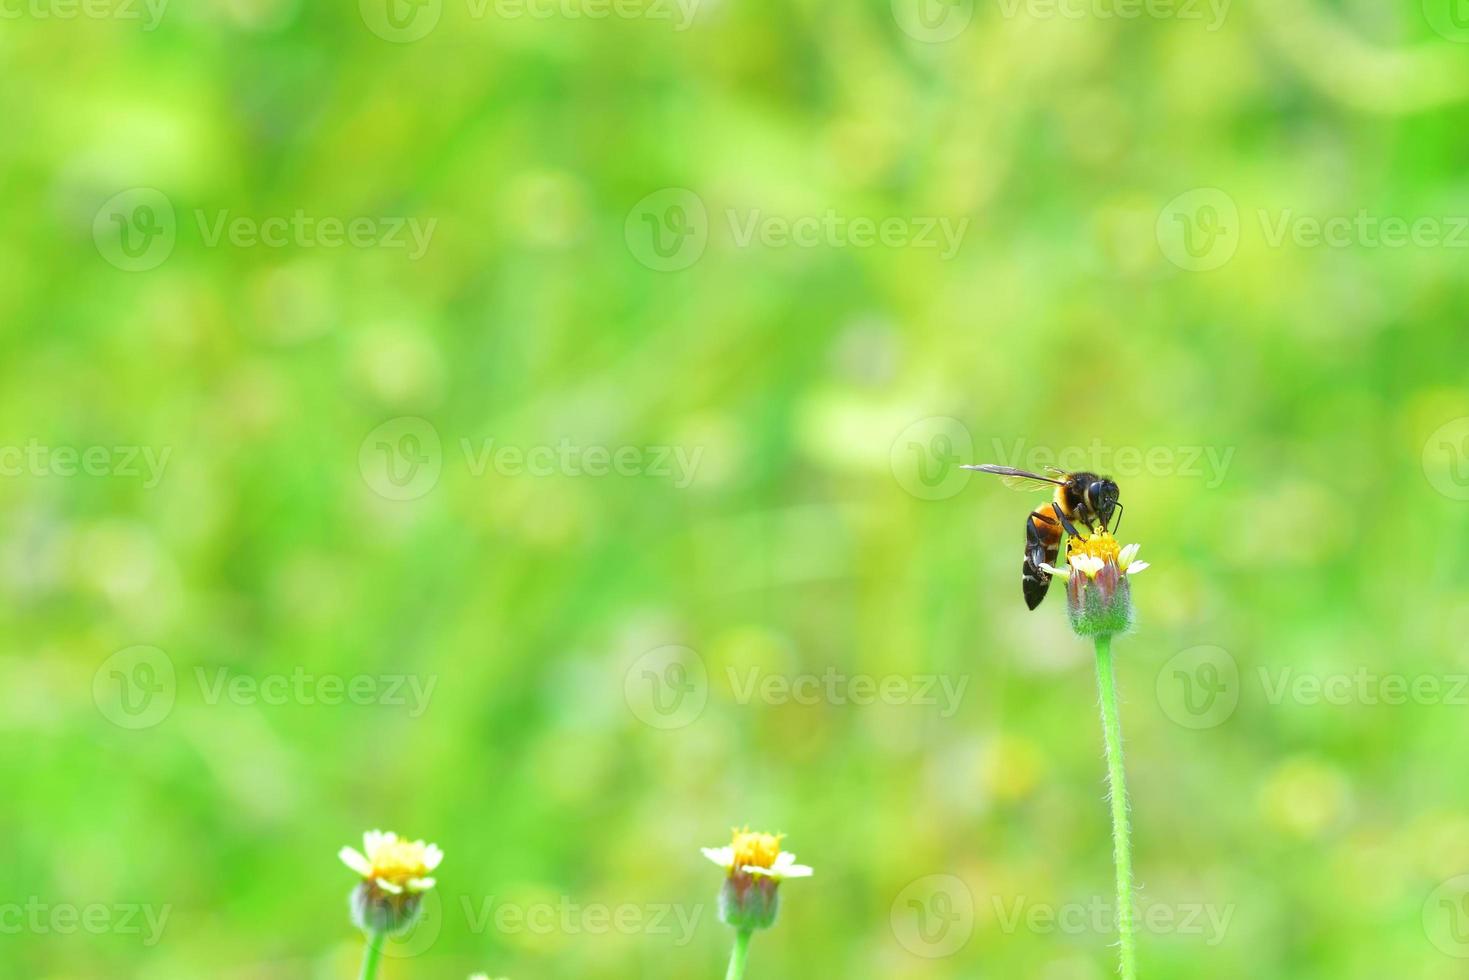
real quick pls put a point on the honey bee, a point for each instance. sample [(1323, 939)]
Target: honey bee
[(1084, 499)]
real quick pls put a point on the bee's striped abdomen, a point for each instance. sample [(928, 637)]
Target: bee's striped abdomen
[(1042, 544)]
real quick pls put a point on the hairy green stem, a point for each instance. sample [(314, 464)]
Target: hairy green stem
[(372, 956), (737, 956), (1117, 783)]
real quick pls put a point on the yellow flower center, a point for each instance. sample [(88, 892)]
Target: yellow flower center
[(755, 849), (1100, 545), (399, 861)]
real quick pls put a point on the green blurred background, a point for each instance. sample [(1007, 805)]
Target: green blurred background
[(552, 491)]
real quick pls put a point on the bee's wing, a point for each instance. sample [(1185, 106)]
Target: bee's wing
[(1017, 479)]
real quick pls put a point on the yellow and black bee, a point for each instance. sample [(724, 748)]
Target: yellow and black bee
[(1084, 499)]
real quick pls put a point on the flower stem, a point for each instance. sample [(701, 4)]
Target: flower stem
[(1117, 782), (372, 956), (737, 956)]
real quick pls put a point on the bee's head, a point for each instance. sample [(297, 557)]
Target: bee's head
[(1101, 497)]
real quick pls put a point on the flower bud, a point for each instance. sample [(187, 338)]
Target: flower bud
[(377, 911), (749, 901), (395, 875), (755, 866), (1098, 596)]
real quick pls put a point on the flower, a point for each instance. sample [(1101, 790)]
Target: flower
[(1099, 599), (395, 874), (755, 866)]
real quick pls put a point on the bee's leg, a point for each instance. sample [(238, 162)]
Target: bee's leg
[(1035, 580), (1035, 547), (1066, 523)]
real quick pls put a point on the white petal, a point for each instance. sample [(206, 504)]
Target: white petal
[(389, 887), (420, 884), (1128, 553), (778, 873), (1089, 565), (1136, 567), (372, 841), (432, 856), (722, 856), (1064, 573), (352, 859)]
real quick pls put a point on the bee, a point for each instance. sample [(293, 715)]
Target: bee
[(1084, 499)]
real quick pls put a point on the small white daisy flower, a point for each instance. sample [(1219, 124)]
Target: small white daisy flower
[(395, 874), (755, 866)]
